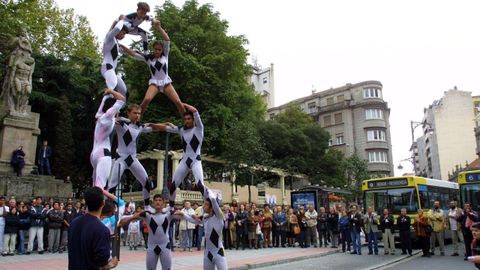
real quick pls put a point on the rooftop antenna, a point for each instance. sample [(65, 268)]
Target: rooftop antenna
[(255, 62)]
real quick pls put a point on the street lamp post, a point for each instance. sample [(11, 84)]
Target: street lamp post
[(165, 192), (413, 126)]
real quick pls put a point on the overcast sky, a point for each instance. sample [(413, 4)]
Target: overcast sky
[(417, 49)]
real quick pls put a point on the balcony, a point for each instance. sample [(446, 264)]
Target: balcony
[(376, 145), (334, 107)]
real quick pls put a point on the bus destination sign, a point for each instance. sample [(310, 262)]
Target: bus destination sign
[(473, 177), (388, 183)]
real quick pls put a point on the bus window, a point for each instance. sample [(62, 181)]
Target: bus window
[(471, 193), (424, 199), (393, 200)]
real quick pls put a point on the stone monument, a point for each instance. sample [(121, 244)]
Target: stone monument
[(18, 125)]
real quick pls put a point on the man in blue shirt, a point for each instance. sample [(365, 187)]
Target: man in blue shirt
[(88, 238)]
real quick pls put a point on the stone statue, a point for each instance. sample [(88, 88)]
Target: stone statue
[(17, 84)]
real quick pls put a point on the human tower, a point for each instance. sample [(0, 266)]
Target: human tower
[(107, 176)]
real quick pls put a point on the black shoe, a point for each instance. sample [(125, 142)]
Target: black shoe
[(455, 254), (369, 253), (353, 253), (60, 251), (28, 253), (432, 253), (40, 252)]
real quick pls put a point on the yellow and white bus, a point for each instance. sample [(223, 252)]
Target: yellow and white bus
[(469, 184), (409, 192)]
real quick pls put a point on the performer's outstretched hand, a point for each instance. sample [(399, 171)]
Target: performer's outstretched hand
[(190, 108), (179, 212)]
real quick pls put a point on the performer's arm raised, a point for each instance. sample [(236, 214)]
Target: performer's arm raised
[(214, 203), (196, 115), (156, 24), (115, 30), (118, 104), (118, 201)]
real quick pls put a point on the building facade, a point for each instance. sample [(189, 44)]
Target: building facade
[(357, 118), (448, 133), (262, 80)]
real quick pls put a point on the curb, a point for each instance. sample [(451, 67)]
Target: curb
[(284, 261), (395, 261)]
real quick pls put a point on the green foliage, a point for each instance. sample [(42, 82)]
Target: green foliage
[(357, 171), (50, 30), (63, 93), (244, 147), (64, 150), (208, 69)]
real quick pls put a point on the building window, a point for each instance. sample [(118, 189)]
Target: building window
[(372, 92), (376, 135), (373, 114), (327, 120), (272, 115), (338, 118), (311, 107), (330, 101), (377, 157), (339, 139), (265, 80), (330, 142), (340, 98)]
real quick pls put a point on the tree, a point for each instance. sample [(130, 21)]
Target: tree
[(51, 30), (245, 150), (64, 147), (298, 144), (357, 171), (209, 70), (65, 93)]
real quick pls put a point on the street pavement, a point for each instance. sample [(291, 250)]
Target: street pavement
[(262, 259), (241, 259), (342, 261), (434, 262)]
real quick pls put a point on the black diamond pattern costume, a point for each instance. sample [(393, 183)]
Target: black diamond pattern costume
[(214, 252), (158, 67), (101, 157), (158, 240), (111, 52), (128, 134), (132, 21), (192, 139)]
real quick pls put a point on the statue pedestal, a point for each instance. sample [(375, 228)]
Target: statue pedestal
[(15, 130)]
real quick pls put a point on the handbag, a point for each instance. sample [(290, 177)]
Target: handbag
[(428, 229), (296, 229), (258, 230)]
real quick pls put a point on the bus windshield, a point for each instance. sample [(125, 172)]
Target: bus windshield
[(393, 200), (471, 193)]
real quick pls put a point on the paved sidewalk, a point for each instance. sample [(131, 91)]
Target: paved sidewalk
[(241, 259)]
